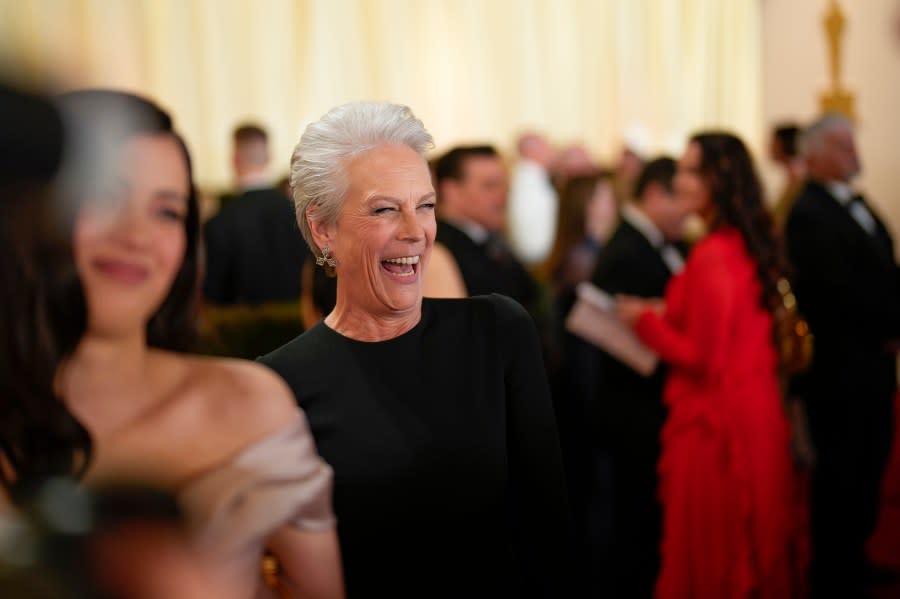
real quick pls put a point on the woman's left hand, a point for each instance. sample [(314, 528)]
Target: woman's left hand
[(630, 308)]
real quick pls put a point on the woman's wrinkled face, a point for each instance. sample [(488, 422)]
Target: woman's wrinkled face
[(130, 239), (690, 188), (384, 233)]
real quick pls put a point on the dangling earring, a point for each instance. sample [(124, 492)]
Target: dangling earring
[(324, 259)]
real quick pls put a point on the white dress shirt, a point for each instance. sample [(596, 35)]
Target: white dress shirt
[(476, 232), (843, 193), (532, 213)]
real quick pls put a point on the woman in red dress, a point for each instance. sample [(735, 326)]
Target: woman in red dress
[(725, 468)]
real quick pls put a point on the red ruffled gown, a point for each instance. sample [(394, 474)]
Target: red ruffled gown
[(725, 468)]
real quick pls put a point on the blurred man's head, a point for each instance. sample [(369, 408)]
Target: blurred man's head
[(574, 161), (630, 164), (535, 147), (472, 185), (251, 152), (653, 195), (784, 145), (830, 150)]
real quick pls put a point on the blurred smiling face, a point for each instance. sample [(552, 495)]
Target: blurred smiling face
[(484, 189), (385, 230), (130, 240), (843, 161), (691, 191)]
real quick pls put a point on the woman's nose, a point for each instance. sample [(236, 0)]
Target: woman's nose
[(411, 228), (131, 226)]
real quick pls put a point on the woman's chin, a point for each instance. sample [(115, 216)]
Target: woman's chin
[(403, 298), (119, 317)]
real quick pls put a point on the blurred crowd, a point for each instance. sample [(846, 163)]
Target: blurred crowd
[(747, 462)]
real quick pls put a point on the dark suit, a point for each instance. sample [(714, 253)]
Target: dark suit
[(254, 250), (489, 267), (847, 284), (628, 414)]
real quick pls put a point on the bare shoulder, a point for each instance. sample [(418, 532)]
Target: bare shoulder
[(443, 277), (241, 396)]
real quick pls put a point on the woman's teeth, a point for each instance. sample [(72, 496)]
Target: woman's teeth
[(403, 267), (404, 260)]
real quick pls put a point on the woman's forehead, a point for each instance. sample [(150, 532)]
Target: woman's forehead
[(156, 160), (388, 168)]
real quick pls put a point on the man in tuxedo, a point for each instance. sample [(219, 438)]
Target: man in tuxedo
[(847, 284), (472, 193), (628, 411), (254, 250)]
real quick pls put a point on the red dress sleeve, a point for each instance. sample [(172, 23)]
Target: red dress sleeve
[(699, 313)]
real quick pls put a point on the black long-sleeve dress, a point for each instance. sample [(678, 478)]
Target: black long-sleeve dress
[(448, 477)]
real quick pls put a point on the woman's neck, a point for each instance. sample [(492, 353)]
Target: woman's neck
[(710, 218), (105, 379), (357, 323)]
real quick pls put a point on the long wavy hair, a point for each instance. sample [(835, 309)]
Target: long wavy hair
[(735, 189), (47, 316), (574, 198)]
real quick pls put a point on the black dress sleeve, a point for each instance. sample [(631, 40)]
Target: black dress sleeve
[(539, 515)]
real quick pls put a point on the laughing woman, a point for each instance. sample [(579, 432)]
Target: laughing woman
[(434, 414)]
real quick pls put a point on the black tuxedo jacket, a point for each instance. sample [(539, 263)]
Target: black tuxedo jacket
[(254, 250), (628, 407), (847, 284), (484, 273)]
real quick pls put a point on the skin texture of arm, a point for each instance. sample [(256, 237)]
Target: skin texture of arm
[(310, 562)]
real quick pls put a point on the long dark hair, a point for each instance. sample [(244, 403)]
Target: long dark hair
[(39, 437), (727, 168), (574, 197)]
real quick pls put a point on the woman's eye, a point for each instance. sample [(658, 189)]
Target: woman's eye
[(171, 214), (384, 210)]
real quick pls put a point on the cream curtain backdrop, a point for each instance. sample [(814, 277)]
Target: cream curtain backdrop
[(473, 70)]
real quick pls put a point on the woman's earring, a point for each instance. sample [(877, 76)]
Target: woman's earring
[(325, 259)]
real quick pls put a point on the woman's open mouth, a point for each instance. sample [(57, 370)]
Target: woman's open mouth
[(405, 266)]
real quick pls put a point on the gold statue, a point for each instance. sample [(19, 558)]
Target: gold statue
[(838, 99)]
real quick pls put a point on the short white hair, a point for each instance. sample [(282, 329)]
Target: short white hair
[(319, 162), (812, 142)]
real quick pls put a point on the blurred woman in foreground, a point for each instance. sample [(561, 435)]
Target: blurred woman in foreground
[(124, 401)]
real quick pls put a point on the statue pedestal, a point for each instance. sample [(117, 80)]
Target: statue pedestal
[(840, 101)]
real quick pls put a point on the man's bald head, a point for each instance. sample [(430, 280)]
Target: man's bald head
[(251, 150), (829, 149)]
